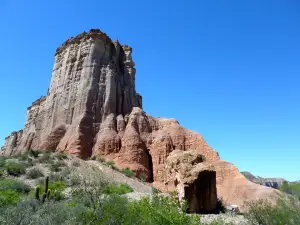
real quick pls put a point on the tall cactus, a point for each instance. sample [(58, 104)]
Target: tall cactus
[(46, 193)]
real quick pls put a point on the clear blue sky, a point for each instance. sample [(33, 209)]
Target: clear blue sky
[(229, 70)]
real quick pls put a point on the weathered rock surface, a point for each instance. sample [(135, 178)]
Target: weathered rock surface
[(194, 180), (92, 108)]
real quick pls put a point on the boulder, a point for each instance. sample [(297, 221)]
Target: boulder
[(194, 180)]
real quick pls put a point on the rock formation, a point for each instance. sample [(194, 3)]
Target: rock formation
[(194, 180), (92, 109), (269, 182)]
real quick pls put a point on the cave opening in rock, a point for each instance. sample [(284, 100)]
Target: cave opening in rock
[(150, 163), (202, 194)]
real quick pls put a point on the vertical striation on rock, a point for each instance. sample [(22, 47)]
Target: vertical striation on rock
[(93, 80), (92, 108)]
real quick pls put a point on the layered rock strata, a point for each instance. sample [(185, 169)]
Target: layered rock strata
[(93, 109)]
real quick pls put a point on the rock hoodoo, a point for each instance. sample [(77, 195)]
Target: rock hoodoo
[(92, 108), (194, 180)]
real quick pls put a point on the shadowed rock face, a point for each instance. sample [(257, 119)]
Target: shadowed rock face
[(194, 180), (92, 108)]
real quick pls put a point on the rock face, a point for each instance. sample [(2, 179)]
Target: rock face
[(92, 109), (269, 182), (194, 180)]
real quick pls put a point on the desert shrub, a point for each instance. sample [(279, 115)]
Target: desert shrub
[(2, 173), (57, 185), (65, 172), (155, 190), (127, 172), (46, 158), (142, 177), (74, 180), (2, 161), (11, 191), (23, 156), (35, 153), (263, 212), (29, 162), (291, 188), (112, 210), (15, 185), (109, 163), (15, 168), (56, 167), (9, 197), (75, 163), (61, 156), (57, 196), (158, 210), (100, 159), (55, 177), (34, 173), (118, 189), (220, 206)]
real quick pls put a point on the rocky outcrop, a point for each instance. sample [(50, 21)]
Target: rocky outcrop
[(92, 109), (194, 180), (269, 182)]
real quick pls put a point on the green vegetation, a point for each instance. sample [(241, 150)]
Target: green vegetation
[(15, 185), (285, 211), (46, 158), (291, 188), (2, 161), (56, 166), (118, 189), (75, 163), (127, 172), (34, 173), (11, 191), (14, 168), (61, 156), (9, 197)]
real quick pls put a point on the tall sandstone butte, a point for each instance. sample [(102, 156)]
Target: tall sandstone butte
[(92, 108)]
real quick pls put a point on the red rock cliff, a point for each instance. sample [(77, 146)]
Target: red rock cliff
[(92, 109)]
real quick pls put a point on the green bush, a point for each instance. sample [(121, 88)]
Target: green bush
[(127, 172), (15, 185), (9, 197), (109, 163), (15, 168), (2, 161), (46, 158), (22, 156), (35, 153), (75, 163), (75, 180), (55, 177), (118, 189), (263, 212), (113, 210), (155, 190), (56, 167), (34, 173), (291, 188), (101, 159), (61, 156), (142, 177)]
